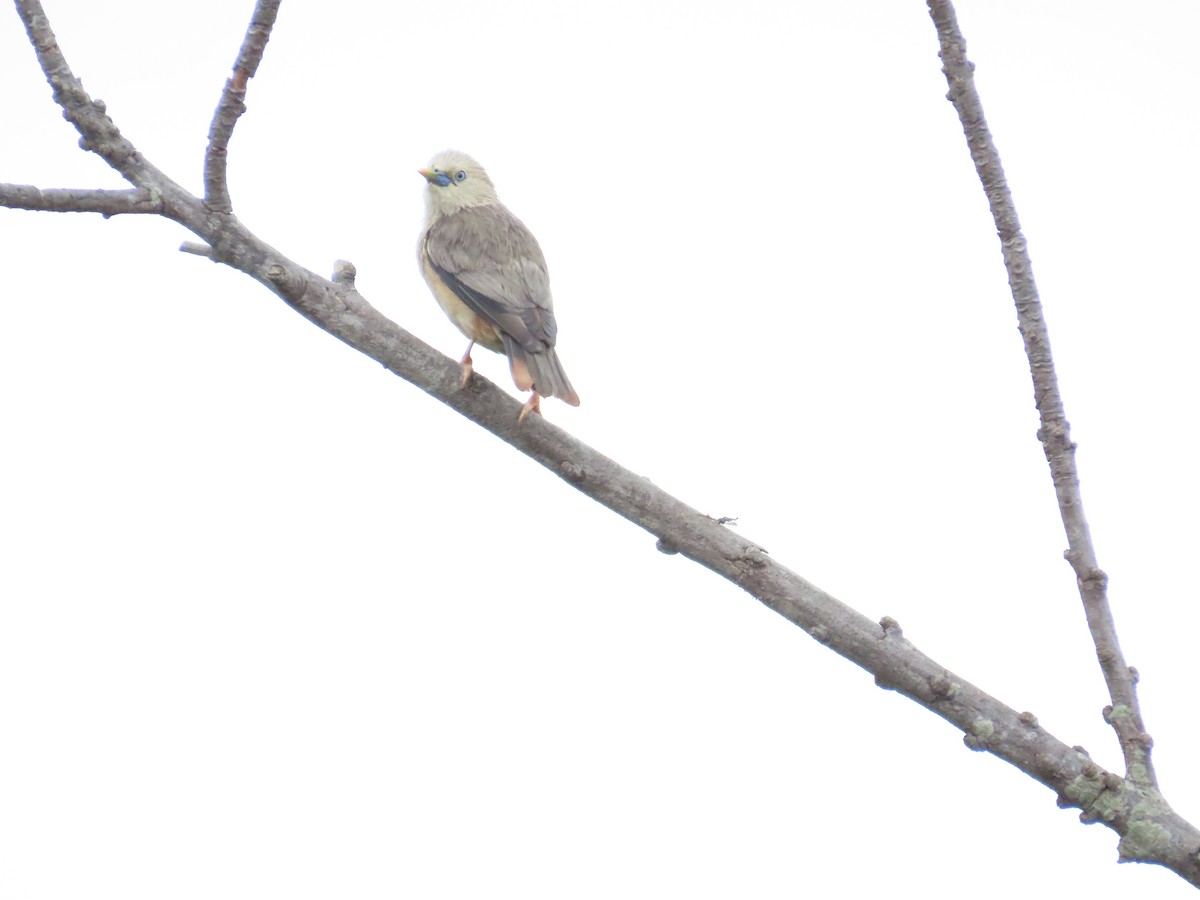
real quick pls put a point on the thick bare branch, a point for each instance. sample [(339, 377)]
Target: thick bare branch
[(232, 105), (1055, 433), (1150, 830), (107, 203)]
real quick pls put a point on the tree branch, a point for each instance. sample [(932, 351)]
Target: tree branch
[(1055, 433), (107, 203), (232, 105), (98, 133), (1150, 830)]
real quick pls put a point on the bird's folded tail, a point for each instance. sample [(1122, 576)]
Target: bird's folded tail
[(541, 372)]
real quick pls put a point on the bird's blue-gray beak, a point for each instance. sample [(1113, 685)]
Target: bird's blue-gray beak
[(433, 176)]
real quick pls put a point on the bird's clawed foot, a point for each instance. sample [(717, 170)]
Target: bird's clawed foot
[(468, 367), (531, 405)]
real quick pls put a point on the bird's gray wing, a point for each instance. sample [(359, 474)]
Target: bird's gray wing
[(494, 265)]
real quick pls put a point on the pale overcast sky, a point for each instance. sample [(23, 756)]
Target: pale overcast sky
[(277, 624)]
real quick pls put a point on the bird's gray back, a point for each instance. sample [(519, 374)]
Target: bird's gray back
[(492, 261)]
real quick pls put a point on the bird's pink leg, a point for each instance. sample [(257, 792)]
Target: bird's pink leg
[(468, 367), (531, 405)]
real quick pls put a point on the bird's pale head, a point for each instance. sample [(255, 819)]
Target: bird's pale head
[(455, 181)]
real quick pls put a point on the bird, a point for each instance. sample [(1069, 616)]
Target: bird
[(488, 274)]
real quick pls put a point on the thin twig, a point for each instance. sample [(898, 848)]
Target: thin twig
[(1055, 433), (232, 105), (107, 203), (196, 249)]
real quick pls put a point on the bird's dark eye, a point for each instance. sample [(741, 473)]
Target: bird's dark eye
[(460, 175)]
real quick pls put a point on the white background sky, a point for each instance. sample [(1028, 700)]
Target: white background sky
[(277, 624)]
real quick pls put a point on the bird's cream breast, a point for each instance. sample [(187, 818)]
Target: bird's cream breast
[(469, 323)]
